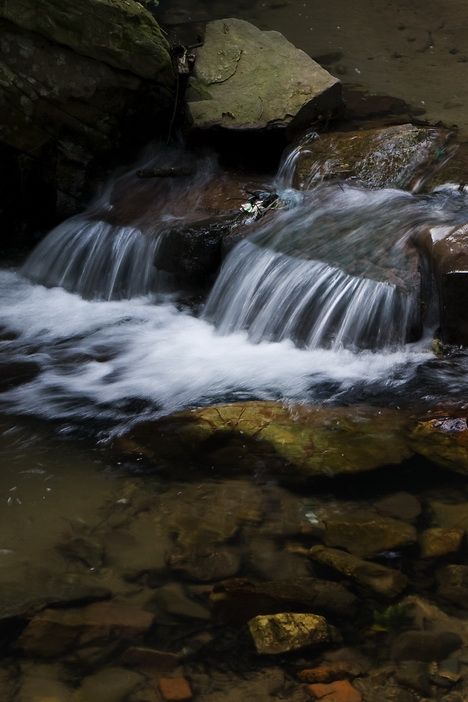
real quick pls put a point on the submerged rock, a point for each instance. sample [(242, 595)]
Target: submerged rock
[(338, 691), (239, 600), (453, 584), (293, 443), (379, 579), (55, 632), (378, 158), (245, 78), (438, 542), (425, 645), (281, 633), (78, 82), (365, 533)]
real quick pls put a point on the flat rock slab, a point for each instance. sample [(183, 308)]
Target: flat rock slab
[(245, 78)]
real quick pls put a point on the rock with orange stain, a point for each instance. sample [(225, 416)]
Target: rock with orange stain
[(338, 691), (175, 689)]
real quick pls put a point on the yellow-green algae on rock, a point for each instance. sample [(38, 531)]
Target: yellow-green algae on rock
[(297, 442)]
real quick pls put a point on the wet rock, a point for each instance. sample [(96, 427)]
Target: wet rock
[(379, 579), (205, 565), (449, 516), (453, 584), (23, 600), (443, 440), (255, 686), (77, 85), (390, 692), (172, 599), (425, 645), (415, 675), (175, 689), (294, 443), (400, 505), (384, 157), (42, 683), (149, 659), (438, 542), (265, 559), (245, 78), (55, 632), (108, 685), (281, 633), (446, 673), (330, 672), (426, 615), (447, 250), (85, 551), (240, 600), (365, 533), (339, 691)]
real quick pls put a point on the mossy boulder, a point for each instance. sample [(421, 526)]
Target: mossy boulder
[(293, 443), (281, 633), (245, 78), (78, 82), (395, 156)]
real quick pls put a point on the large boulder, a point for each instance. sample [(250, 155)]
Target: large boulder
[(396, 156), (78, 81), (444, 440), (294, 444), (245, 78)]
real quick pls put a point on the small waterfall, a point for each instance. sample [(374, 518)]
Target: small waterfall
[(96, 259), (110, 251), (337, 271)]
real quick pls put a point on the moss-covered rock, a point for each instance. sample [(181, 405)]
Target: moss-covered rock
[(394, 156), (293, 443), (78, 81), (245, 78)]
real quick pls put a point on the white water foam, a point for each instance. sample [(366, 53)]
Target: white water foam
[(97, 358)]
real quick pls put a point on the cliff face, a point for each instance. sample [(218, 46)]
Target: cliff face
[(78, 81)]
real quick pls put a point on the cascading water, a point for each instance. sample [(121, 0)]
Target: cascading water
[(339, 270), (319, 286), (110, 252)]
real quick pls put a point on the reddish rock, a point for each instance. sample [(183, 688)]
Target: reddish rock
[(175, 689), (339, 691), (329, 672)]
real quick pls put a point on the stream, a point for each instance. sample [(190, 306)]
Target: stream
[(317, 304)]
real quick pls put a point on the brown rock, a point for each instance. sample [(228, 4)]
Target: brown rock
[(443, 440), (239, 600), (453, 584), (339, 691), (175, 689), (437, 542), (144, 658), (379, 579), (55, 631), (365, 533), (330, 672), (401, 505)]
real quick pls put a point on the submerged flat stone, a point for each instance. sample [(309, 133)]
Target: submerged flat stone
[(293, 443), (245, 78)]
